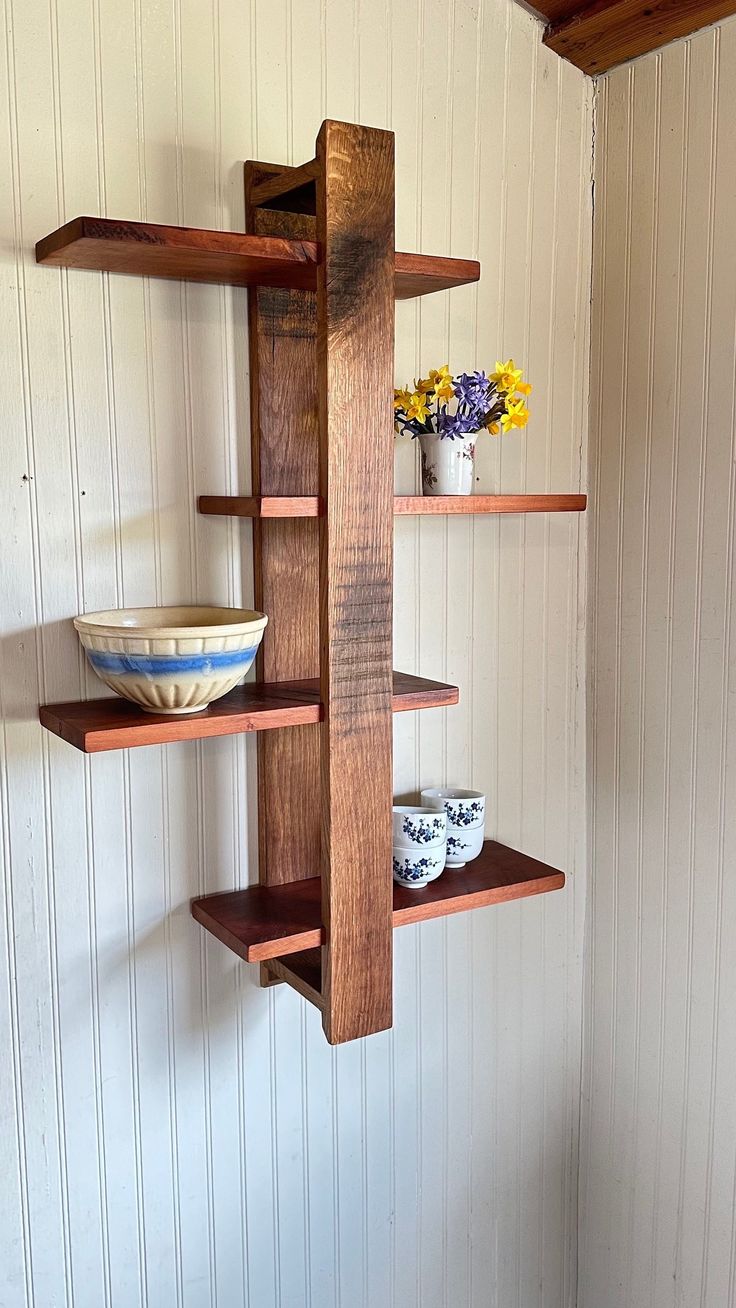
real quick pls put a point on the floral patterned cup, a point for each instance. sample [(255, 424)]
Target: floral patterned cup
[(418, 828), (466, 817), (464, 808), (415, 868), (463, 846)]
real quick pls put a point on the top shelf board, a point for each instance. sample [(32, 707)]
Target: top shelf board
[(228, 258)]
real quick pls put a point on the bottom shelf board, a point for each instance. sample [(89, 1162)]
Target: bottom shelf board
[(94, 725), (271, 922)]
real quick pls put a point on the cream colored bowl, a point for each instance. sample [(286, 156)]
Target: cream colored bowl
[(171, 660)]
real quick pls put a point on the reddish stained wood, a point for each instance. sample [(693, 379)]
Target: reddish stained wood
[(227, 258), (282, 335), (423, 274), (420, 693), (97, 725), (261, 506), (355, 340), (261, 923), (303, 973), (186, 253), (600, 35), (305, 506), (551, 11), (439, 504)]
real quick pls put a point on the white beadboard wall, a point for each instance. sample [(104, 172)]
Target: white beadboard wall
[(658, 1228), (171, 1134)]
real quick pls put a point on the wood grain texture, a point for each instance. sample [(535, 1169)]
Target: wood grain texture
[(291, 190), (97, 725), (303, 973), (271, 922), (601, 35), (355, 313), (550, 11), (261, 506), (186, 253), (305, 506), (282, 346), (451, 504), (228, 258)]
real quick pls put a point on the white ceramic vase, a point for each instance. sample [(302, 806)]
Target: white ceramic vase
[(448, 464)]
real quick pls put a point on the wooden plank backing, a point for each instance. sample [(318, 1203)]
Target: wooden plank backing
[(355, 314), (598, 36), (284, 455)]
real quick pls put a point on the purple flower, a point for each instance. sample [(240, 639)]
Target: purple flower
[(474, 390), (451, 425)]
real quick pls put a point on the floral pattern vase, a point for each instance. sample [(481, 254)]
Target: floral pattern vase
[(448, 464)]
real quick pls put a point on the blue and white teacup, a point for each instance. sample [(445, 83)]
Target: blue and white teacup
[(418, 828), (462, 846), (415, 868), (465, 809)]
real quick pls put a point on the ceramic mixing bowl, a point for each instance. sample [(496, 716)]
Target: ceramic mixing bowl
[(171, 660)]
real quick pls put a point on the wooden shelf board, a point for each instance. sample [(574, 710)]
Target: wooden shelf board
[(310, 506), (113, 723), (227, 258), (439, 504), (268, 922), (261, 506)]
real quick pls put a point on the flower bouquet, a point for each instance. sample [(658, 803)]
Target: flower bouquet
[(447, 414)]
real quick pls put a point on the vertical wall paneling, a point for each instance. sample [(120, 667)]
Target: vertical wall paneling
[(175, 1135), (659, 1141)]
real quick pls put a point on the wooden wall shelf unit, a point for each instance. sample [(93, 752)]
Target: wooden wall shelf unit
[(322, 274)]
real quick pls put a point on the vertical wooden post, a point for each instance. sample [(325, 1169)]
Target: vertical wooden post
[(355, 336), (284, 451)]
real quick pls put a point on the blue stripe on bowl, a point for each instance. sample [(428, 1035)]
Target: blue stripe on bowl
[(158, 665)]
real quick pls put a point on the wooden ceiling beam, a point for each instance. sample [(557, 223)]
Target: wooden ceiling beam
[(604, 33), (551, 11)]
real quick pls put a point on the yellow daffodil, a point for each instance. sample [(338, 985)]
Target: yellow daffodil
[(402, 398), (417, 407), (506, 376), (494, 429), (424, 385), (524, 388), (442, 383), (516, 415)]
